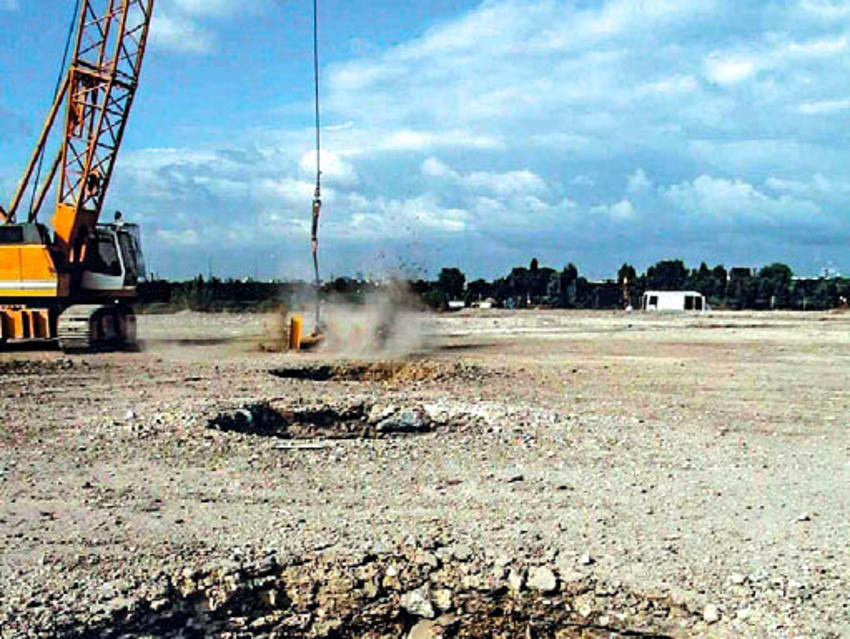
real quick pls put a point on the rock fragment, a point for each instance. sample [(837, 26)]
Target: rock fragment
[(711, 613), (425, 629), (415, 420), (542, 579), (418, 602), (516, 580)]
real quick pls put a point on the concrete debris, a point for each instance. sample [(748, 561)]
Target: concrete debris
[(542, 579), (426, 629), (586, 560), (516, 580), (414, 420), (418, 602), (711, 614), (318, 595)]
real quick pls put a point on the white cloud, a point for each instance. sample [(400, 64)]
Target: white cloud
[(735, 201), (734, 66), (181, 238), (728, 70), (217, 8), (671, 84), (505, 183), (615, 18), (178, 25), (391, 218), (818, 48), (432, 167), (789, 186), (818, 186), (336, 169), (824, 107), (523, 181), (639, 182), (481, 73), (583, 180), (622, 210), (408, 140), (289, 194), (180, 34), (340, 127), (829, 9)]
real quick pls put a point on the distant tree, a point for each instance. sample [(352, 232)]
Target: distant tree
[(541, 285), (774, 286), (452, 282), (501, 290), (583, 294), (553, 288), (341, 285), (700, 280), (667, 275), (534, 266), (420, 287), (627, 271), (567, 286), (719, 277), (519, 285), (436, 298), (741, 289), (478, 290)]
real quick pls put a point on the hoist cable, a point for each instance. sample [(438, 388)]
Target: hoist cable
[(317, 196)]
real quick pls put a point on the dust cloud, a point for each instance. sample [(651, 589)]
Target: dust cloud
[(387, 324)]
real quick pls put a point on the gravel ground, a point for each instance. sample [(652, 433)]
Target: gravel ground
[(703, 461)]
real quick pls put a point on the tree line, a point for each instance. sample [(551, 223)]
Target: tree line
[(770, 287)]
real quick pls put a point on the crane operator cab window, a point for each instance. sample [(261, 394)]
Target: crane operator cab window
[(115, 251), (132, 255), (103, 254)]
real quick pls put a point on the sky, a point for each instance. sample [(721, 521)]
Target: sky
[(470, 134)]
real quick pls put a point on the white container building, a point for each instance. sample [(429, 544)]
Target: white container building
[(673, 301)]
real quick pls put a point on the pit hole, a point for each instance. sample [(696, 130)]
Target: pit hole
[(363, 421), (388, 595)]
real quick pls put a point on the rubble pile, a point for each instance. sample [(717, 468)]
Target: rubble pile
[(33, 367), (420, 591), (395, 372)]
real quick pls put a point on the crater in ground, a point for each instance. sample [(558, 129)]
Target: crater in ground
[(414, 593), (355, 420)]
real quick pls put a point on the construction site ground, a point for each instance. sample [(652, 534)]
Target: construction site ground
[(675, 475)]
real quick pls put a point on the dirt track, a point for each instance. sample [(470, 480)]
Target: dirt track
[(701, 459)]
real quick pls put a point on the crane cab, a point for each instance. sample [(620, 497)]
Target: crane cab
[(114, 262)]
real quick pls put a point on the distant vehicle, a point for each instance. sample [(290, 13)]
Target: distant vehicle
[(673, 301), (456, 305)]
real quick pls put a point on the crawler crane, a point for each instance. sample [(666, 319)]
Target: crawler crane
[(73, 283)]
